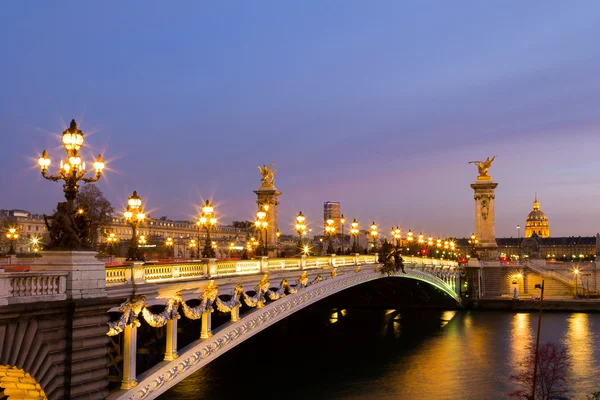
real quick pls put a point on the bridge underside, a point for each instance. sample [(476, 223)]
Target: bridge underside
[(201, 352)]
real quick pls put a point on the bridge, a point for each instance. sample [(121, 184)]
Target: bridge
[(53, 338)]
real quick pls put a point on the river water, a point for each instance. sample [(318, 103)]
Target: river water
[(388, 354)]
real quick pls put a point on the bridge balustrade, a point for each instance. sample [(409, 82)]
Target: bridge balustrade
[(32, 287), (122, 275)]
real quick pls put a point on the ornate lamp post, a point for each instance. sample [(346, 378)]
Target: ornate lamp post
[(134, 216), (300, 228), (473, 242), (35, 242), (169, 244), (231, 248), (342, 222), (12, 235), (111, 240), (421, 241), (409, 239), (208, 220), (261, 223), (193, 246), (330, 231), (374, 234), (354, 231), (63, 232), (397, 235), (429, 246)]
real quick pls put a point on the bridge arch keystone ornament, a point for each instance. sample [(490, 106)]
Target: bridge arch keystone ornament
[(288, 300)]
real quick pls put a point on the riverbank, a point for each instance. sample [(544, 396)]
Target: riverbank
[(534, 305)]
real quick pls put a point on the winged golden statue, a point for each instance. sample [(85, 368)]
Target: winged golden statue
[(483, 166), (268, 175)]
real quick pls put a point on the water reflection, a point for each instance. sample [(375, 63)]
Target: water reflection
[(394, 354), (521, 338), (579, 340)]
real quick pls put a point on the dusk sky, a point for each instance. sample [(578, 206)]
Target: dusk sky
[(377, 105)]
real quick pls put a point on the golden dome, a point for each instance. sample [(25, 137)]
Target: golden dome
[(537, 222)]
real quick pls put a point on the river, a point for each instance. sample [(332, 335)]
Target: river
[(385, 354)]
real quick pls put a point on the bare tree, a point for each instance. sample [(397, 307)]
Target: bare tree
[(97, 208), (551, 382)]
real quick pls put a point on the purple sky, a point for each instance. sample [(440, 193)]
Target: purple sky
[(378, 105)]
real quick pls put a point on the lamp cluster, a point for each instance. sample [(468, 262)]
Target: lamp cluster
[(207, 220), (261, 223), (134, 216), (72, 169), (12, 235)]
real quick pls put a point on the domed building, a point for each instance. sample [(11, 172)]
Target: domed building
[(537, 222)]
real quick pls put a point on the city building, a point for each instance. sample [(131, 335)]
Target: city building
[(331, 210), (32, 226), (537, 222), (538, 243)]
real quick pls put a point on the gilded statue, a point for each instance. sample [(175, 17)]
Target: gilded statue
[(268, 175), (483, 166)]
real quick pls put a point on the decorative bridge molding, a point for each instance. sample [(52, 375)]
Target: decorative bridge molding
[(201, 352)]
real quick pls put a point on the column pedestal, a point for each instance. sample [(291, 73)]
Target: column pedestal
[(87, 275), (485, 222)]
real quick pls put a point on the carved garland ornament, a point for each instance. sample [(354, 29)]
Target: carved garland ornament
[(131, 309)]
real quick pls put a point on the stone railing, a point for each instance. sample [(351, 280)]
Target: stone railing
[(211, 268), (32, 287)]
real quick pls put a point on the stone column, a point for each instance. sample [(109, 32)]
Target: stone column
[(129, 357), (269, 196), (485, 224), (206, 331), (171, 348)]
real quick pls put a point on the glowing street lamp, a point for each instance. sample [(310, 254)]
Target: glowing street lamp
[(397, 235), (374, 235), (473, 241), (409, 240), (261, 224), (207, 220), (300, 228), (12, 235), (576, 275), (72, 170), (330, 231), (169, 244), (142, 240), (134, 216), (111, 240), (354, 231)]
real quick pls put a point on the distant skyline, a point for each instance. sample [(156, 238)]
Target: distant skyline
[(379, 106)]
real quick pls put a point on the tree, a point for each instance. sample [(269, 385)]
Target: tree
[(551, 378), (97, 208)]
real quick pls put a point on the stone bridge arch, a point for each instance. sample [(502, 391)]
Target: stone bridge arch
[(203, 351)]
